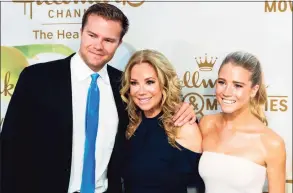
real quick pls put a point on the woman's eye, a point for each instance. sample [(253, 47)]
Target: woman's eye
[(221, 82), (150, 82)]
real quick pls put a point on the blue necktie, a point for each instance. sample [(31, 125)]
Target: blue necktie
[(91, 129)]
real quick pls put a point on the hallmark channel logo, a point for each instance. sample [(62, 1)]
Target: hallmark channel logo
[(206, 65), (199, 88), (69, 13), (60, 13)]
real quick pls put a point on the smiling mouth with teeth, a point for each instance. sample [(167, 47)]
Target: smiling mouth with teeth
[(144, 100), (226, 101)]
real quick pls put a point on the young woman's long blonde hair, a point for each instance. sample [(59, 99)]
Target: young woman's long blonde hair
[(169, 84), (252, 64)]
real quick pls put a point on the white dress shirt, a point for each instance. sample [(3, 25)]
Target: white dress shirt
[(107, 126)]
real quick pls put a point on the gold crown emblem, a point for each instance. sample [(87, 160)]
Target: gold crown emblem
[(206, 65)]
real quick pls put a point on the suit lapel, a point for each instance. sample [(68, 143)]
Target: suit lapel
[(63, 102), (115, 80)]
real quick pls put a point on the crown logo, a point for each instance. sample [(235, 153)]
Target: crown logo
[(206, 65)]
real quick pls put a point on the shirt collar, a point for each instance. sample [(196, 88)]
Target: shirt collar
[(82, 71)]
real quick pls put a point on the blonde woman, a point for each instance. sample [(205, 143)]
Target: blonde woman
[(238, 147), (160, 158)]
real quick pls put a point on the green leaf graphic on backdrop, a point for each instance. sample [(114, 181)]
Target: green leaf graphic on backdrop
[(14, 60), (30, 51)]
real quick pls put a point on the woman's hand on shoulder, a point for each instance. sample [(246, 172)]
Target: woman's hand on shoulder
[(189, 136), (275, 160)]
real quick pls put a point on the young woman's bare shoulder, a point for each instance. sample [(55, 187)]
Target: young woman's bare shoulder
[(273, 143), (209, 122)]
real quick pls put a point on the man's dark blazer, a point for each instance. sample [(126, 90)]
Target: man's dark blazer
[(36, 138)]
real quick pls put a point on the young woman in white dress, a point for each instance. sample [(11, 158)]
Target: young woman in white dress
[(239, 150)]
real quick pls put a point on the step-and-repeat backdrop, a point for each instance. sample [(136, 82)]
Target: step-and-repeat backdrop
[(193, 35)]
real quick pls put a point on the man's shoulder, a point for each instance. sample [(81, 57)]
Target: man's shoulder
[(113, 69), (114, 72), (50, 65), (47, 70)]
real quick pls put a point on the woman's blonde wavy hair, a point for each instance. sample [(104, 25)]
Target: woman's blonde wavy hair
[(252, 64), (169, 84)]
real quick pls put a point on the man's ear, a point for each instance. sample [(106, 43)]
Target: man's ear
[(254, 90)]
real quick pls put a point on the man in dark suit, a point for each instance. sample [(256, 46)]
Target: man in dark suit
[(48, 128)]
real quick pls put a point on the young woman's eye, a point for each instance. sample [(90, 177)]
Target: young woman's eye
[(221, 82)]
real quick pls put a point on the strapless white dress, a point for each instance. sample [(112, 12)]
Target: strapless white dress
[(223, 173)]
